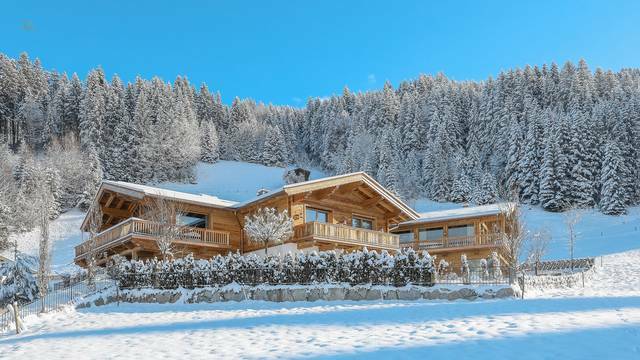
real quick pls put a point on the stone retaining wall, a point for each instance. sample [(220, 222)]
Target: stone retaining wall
[(296, 293)]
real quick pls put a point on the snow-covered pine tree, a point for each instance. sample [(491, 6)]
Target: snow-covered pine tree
[(461, 187), (531, 160), (487, 192), (209, 142), (275, 151), (612, 199), (93, 112)]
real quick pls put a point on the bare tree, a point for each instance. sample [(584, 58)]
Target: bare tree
[(267, 224), (166, 228), (538, 244), (42, 201), (571, 219), (514, 234), (94, 224)]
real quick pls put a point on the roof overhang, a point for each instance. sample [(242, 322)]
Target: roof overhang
[(341, 180)]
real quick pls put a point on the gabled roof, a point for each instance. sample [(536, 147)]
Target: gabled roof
[(460, 213), (332, 181), (138, 191)]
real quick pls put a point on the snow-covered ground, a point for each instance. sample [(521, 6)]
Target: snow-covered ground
[(64, 233), (600, 321), (232, 180)]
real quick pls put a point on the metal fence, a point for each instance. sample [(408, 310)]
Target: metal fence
[(61, 294), (476, 275), (557, 267)]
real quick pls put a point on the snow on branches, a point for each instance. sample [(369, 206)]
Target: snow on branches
[(267, 225)]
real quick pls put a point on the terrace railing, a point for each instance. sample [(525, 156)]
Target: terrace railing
[(347, 234), (140, 227), (492, 239)]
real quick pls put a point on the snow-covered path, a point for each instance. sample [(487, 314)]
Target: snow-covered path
[(601, 321)]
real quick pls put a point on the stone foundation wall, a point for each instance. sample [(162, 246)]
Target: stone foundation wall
[(296, 293)]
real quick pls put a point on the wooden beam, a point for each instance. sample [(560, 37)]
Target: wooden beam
[(372, 201), (348, 188), (120, 203), (322, 194), (119, 213), (109, 200)]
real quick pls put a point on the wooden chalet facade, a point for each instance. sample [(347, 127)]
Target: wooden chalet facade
[(347, 212), (474, 231)]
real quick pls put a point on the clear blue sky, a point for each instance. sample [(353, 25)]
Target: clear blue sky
[(283, 52)]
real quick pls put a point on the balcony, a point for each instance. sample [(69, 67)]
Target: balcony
[(346, 235), (134, 227), (474, 241)]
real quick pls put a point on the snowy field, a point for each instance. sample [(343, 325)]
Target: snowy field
[(598, 234), (600, 321)]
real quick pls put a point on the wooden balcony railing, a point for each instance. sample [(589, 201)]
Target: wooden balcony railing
[(493, 239), (135, 226), (346, 234)]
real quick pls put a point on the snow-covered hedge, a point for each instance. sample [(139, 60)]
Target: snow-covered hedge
[(363, 267)]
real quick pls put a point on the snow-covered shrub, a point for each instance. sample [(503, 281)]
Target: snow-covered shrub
[(362, 267), (464, 269), (443, 267), (18, 279), (493, 263), (484, 267)]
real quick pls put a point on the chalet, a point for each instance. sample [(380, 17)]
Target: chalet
[(346, 212), (474, 231)]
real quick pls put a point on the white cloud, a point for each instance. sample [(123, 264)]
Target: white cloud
[(371, 78)]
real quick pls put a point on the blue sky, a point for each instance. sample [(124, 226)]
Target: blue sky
[(283, 52)]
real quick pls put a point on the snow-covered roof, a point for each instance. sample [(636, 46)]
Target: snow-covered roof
[(460, 213), (140, 191), (200, 199), (333, 181)]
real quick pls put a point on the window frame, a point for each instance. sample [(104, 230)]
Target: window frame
[(426, 229), (410, 232), (467, 226), (205, 217), (365, 218), (317, 210)]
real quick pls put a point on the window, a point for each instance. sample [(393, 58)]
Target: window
[(432, 234), (460, 231), (192, 220), (406, 237), (362, 223), (312, 214)]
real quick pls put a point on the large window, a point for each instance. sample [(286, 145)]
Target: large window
[(362, 223), (316, 215), (460, 231), (192, 220), (432, 234), (406, 237)]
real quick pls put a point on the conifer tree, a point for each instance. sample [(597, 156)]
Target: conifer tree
[(274, 153), (612, 200), (209, 143)]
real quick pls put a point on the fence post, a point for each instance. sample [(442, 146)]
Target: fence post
[(16, 316)]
